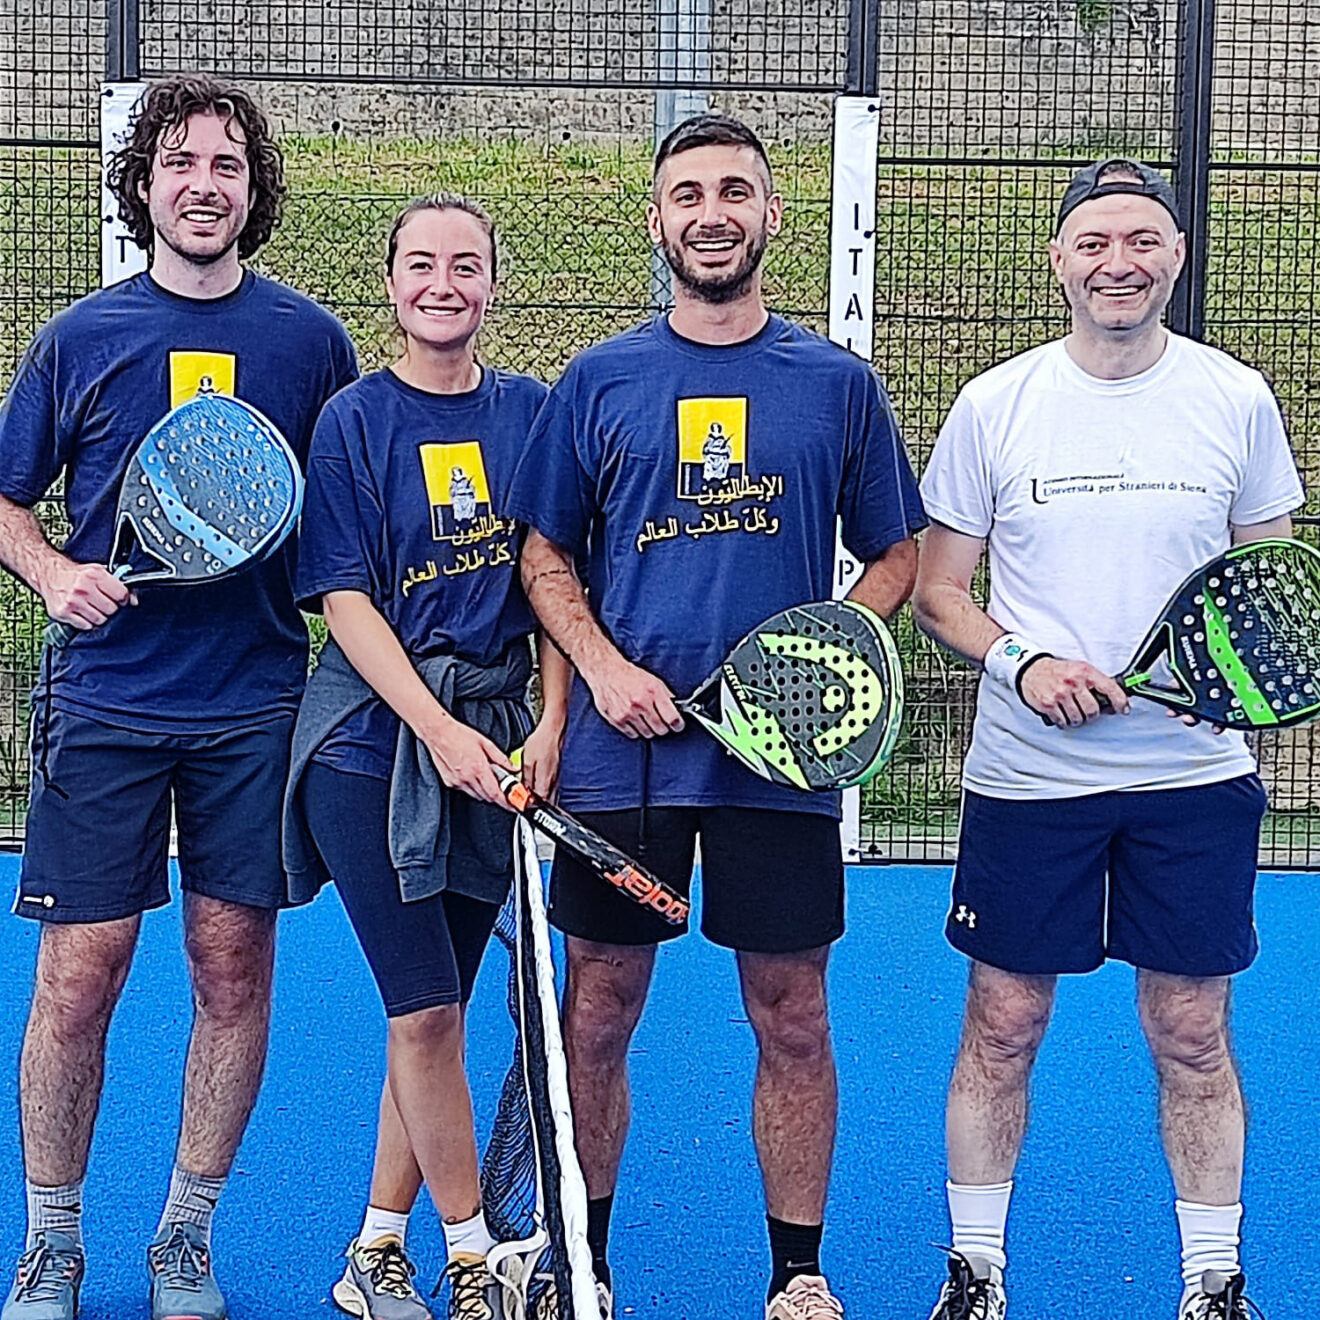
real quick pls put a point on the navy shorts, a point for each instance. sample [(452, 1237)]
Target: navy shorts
[(771, 881), (1162, 879), (423, 953), (98, 827)]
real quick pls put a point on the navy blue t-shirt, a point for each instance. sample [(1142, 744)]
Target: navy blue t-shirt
[(93, 382), (405, 503), (704, 484)]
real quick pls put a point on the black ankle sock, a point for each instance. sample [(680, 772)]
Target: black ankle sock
[(794, 1250), (598, 1235)]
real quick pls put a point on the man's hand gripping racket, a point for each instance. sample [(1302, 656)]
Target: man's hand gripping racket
[(213, 488), (1237, 645)]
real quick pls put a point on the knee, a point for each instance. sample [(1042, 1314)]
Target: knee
[(1005, 1026), (434, 1032), (74, 996), (601, 1012), (791, 1023), (1187, 1029), (231, 979)]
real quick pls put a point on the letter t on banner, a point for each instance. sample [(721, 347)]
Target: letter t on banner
[(852, 306), (120, 256)]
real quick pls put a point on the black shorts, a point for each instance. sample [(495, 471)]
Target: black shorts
[(1163, 879), (422, 954), (98, 827), (771, 881)]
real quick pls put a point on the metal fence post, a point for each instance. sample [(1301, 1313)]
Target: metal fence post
[(682, 56), (123, 50), (863, 47), (1195, 92)]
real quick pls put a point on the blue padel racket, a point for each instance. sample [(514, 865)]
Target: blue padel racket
[(812, 697), (1238, 644), (212, 488)]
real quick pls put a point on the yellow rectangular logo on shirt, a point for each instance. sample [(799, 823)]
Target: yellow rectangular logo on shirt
[(189, 369), (712, 444), (456, 487)]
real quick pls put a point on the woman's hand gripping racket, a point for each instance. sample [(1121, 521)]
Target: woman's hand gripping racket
[(1238, 644), (811, 698), (595, 853), (212, 488)]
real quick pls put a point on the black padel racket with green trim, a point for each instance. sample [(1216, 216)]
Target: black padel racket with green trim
[(1238, 644), (811, 698), (212, 488)]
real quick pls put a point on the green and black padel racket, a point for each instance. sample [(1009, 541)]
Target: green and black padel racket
[(811, 698), (1238, 644)]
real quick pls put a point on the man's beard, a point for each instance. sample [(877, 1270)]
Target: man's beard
[(192, 256), (726, 287)]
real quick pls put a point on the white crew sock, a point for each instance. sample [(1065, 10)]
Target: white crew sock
[(1209, 1239), (979, 1214), (471, 1237), (192, 1200), (57, 1209), (378, 1223)]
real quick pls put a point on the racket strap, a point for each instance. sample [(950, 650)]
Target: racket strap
[(1009, 658)]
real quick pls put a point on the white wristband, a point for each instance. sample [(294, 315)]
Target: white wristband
[(1009, 656)]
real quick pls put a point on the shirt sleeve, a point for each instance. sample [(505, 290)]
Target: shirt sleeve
[(879, 502), (956, 486), (341, 520), (1270, 484), (552, 489), (33, 445)]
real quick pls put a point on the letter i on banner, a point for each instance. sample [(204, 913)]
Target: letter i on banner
[(120, 256), (852, 306)]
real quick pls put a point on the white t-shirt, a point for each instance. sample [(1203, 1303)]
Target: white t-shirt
[(1097, 498)]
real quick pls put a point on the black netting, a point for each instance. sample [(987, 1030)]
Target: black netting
[(753, 44)]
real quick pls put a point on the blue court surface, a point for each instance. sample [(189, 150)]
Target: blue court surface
[(1092, 1231)]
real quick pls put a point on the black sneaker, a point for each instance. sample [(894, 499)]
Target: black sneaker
[(1220, 1297), (974, 1291)]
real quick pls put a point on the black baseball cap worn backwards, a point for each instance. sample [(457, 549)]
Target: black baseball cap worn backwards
[(1117, 175)]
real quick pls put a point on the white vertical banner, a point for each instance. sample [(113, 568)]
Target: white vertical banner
[(120, 256), (852, 308)]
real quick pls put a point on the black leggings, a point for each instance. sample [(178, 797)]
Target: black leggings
[(421, 954)]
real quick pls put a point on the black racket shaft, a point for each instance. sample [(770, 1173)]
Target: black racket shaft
[(595, 853)]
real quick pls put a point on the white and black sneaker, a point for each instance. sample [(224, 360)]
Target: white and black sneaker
[(974, 1290), (1219, 1297)]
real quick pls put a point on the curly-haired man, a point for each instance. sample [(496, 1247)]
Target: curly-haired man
[(184, 703)]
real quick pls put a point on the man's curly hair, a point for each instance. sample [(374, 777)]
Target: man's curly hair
[(166, 108)]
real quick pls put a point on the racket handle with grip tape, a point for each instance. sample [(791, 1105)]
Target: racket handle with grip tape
[(58, 635), (597, 854)]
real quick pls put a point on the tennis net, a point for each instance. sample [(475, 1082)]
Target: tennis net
[(533, 1192)]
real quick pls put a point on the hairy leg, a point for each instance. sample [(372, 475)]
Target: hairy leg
[(603, 1001), (1201, 1109), (231, 953), (795, 1100), (431, 1094), (986, 1119), (81, 971)]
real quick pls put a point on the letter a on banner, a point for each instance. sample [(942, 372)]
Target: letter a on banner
[(120, 256), (852, 306)]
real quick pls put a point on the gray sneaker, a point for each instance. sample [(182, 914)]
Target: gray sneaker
[(47, 1280), (182, 1285), (378, 1283), (473, 1292)]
